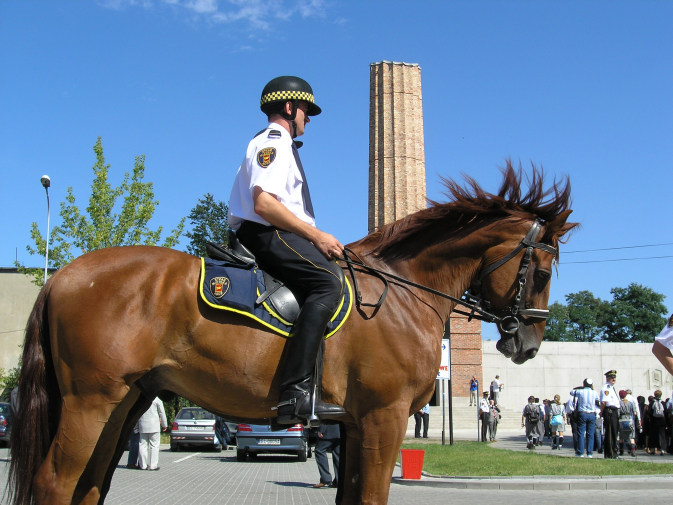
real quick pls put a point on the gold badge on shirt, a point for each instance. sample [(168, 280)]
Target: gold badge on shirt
[(266, 156)]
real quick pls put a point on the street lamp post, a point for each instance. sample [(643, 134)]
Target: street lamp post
[(46, 182)]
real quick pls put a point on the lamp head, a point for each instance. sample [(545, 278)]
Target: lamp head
[(46, 181)]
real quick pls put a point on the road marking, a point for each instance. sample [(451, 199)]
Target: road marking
[(186, 457)]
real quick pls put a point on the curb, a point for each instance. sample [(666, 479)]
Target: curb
[(543, 482)]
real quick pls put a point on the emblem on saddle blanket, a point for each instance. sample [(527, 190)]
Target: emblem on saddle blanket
[(243, 290)]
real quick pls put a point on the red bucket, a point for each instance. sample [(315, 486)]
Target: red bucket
[(412, 463)]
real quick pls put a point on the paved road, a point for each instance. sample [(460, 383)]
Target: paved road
[(188, 478)]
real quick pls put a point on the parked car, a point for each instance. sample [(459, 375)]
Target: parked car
[(254, 439), (194, 426), (5, 423)]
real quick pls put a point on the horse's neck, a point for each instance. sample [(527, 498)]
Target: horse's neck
[(447, 267)]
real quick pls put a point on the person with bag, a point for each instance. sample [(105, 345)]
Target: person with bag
[(657, 422), (557, 423), (626, 424), (530, 417)]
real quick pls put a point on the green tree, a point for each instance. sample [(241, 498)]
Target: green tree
[(584, 314), (556, 327), (636, 314), (8, 381), (209, 224), (107, 220)]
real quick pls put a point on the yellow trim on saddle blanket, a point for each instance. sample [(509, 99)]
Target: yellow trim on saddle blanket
[(272, 313)]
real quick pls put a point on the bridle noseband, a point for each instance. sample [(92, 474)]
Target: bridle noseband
[(507, 319)]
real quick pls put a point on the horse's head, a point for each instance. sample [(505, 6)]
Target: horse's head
[(515, 280)]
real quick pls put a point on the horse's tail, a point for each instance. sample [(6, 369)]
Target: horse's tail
[(39, 405)]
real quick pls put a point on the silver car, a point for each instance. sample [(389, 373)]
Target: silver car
[(254, 439), (194, 426)]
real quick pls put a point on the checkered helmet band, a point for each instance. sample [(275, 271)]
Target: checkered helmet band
[(279, 96)]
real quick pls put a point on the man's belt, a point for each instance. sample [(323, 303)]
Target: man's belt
[(612, 409)]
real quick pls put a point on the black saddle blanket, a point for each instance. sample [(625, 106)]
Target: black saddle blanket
[(243, 289)]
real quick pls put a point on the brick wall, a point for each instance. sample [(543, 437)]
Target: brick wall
[(466, 353)]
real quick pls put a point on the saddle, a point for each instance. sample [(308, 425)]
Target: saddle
[(231, 280)]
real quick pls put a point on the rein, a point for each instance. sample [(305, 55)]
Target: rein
[(507, 319)]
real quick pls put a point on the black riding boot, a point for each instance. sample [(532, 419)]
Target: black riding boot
[(296, 377)]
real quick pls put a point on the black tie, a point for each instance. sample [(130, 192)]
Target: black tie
[(306, 196)]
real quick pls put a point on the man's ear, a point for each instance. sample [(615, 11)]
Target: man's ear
[(287, 108)]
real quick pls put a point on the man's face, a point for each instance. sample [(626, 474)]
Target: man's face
[(612, 380), (302, 118)]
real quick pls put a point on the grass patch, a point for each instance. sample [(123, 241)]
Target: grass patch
[(475, 459)]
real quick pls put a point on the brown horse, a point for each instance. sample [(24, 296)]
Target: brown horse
[(119, 325)]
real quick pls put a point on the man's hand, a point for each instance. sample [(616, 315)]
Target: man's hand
[(273, 211), (327, 244)]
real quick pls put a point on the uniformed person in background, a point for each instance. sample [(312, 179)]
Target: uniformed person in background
[(609, 400), (663, 346), (271, 212)]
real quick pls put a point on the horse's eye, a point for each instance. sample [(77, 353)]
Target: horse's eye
[(541, 278)]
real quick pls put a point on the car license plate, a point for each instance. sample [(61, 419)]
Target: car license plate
[(194, 428), (269, 441)]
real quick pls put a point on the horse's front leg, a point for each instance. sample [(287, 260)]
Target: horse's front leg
[(381, 435)]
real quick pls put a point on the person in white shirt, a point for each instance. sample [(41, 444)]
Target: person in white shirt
[(496, 387), (484, 415), (271, 212), (150, 424), (609, 400)]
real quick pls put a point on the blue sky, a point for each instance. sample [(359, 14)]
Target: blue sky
[(581, 88)]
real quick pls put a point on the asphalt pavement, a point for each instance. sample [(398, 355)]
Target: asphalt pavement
[(187, 478)]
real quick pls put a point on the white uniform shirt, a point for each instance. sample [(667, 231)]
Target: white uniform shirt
[(495, 386), (666, 335), (270, 165), (484, 405), (609, 395)]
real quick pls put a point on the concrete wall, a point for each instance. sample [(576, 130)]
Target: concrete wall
[(17, 296), (560, 366)]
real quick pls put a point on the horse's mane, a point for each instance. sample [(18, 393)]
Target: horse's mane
[(471, 205)]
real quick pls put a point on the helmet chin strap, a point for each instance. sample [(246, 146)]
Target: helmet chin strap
[(291, 117)]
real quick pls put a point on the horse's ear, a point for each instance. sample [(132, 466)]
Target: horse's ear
[(558, 227)]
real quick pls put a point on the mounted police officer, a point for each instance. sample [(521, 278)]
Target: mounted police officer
[(271, 211)]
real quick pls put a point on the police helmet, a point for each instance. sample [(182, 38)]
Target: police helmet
[(287, 88)]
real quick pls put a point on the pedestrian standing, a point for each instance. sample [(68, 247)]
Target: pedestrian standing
[(329, 439), (422, 417), (493, 420), (586, 400), (134, 449), (610, 411), (496, 387), (530, 417), (150, 424), (474, 387), (484, 413)]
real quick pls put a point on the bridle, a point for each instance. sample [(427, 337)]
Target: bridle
[(507, 319)]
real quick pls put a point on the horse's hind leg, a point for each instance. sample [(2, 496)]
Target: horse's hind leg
[(82, 422), (122, 435)]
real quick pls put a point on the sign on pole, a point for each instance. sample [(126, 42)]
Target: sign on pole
[(445, 365)]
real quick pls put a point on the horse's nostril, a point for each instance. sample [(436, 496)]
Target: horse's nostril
[(531, 353)]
